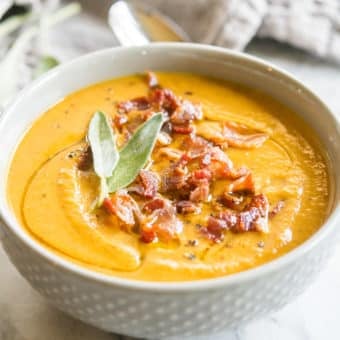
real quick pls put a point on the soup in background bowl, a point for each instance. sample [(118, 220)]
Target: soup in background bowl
[(236, 154)]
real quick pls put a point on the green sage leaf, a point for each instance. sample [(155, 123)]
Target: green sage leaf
[(105, 155), (135, 154), (103, 191), (45, 64), (103, 146)]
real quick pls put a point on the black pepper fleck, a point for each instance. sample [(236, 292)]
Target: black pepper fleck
[(192, 243), (190, 256), (260, 244)]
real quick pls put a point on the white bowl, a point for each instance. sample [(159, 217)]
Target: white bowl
[(151, 309)]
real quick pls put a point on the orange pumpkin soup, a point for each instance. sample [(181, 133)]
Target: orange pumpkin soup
[(169, 177)]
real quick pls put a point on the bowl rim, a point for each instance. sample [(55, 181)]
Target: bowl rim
[(9, 220)]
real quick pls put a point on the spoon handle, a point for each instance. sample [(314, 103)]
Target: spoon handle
[(125, 25)]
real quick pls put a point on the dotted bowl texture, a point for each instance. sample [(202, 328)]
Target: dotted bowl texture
[(157, 315)]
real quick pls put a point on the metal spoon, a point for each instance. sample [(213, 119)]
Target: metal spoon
[(138, 25)]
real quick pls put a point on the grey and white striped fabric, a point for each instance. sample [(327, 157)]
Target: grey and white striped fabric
[(313, 25)]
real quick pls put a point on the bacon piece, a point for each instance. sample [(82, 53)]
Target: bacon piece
[(222, 167), (150, 183), (213, 164), (247, 141), (156, 203), (230, 133), (163, 223), (125, 106), (181, 112), (202, 192), (85, 160), (200, 179), (196, 146), (147, 184), (205, 160), (215, 229), (152, 79), (195, 185), (276, 209), (176, 180), (185, 159), (243, 184), (176, 176), (187, 207), (232, 201), (108, 205), (201, 174), (139, 104), (124, 207), (119, 120), (148, 235), (164, 100), (186, 113), (211, 131), (254, 217), (183, 129)]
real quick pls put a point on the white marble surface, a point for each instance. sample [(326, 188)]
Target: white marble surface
[(315, 315)]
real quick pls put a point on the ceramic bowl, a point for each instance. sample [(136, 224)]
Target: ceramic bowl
[(151, 309)]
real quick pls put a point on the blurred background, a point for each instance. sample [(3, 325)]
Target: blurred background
[(36, 35), (302, 37)]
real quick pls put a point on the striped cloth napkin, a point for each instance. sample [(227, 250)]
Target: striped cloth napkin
[(312, 25)]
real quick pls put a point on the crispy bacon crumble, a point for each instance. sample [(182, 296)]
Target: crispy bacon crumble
[(156, 203)]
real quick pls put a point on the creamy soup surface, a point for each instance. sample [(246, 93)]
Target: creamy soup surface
[(234, 180)]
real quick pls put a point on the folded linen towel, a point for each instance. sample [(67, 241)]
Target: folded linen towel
[(313, 25)]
